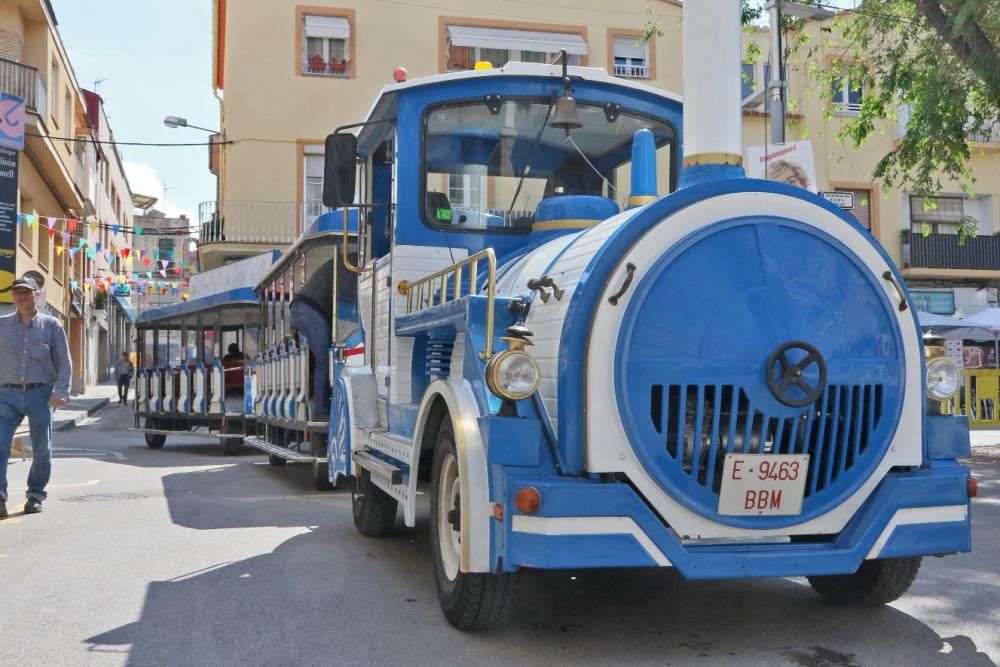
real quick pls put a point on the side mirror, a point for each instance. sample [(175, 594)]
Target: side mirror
[(339, 170)]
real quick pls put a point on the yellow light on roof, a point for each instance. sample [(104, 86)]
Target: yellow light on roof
[(483, 64)]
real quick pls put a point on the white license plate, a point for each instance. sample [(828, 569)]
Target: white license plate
[(760, 484)]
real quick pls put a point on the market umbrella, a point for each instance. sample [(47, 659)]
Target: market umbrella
[(937, 321), (989, 320)]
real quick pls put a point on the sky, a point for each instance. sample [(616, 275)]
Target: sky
[(155, 60)]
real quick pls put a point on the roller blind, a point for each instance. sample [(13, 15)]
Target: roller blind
[(517, 40), (327, 27)]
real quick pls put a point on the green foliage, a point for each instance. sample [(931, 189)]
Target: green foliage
[(917, 57)]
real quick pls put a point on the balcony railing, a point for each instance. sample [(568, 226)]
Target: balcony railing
[(252, 221), (632, 71), (23, 81), (992, 135), (942, 251)]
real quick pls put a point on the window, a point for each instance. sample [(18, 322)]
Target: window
[(68, 118), (748, 85), (165, 249), (312, 188), (482, 178), (942, 214), (862, 210), (467, 45), (54, 90), (326, 46), (631, 58), (846, 95)]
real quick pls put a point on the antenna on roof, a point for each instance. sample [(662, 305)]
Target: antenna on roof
[(98, 82)]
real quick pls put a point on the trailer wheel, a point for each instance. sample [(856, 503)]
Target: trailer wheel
[(320, 467), (230, 446), (154, 440), (276, 460), (374, 509), (469, 600), (876, 582)]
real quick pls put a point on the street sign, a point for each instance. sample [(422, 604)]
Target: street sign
[(11, 121), (844, 200)]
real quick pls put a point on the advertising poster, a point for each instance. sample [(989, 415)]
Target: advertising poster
[(790, 163), (11, 141)]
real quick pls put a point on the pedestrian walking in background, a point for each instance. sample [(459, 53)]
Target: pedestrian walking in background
[(124, 371), (35, 372)]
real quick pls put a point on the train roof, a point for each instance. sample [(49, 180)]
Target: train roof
[(384, 104), (232, 305), (327, 228)]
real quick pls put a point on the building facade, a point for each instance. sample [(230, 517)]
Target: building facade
[(167, 244), (64, 200), (322, 64)]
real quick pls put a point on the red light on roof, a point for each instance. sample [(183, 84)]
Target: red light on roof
[(399, 75)]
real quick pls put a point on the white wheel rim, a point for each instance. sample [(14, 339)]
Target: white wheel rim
[(449, 495)]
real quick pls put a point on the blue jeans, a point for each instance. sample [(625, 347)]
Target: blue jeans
[(316, 328), (15, 404)]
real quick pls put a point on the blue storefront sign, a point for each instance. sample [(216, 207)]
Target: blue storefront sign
[(939, 303)]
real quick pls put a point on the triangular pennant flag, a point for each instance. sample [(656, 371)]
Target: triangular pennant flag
[(156, 254), (164, 274), (91, 254), (52, 223), (52, 232), (20, 218), (164, 263), (115, 227), (83, 242), (32, 220), (137, 230), (59, 250), (93, 226), (71, 223), (125, 252), (97, 246), (73, 251), (72, 284), (65, 238), (86, 287)]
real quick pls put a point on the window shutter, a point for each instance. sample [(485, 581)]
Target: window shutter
[(327, 27)]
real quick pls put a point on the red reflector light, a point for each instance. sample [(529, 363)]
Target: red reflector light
[(973, 487), (399, 74), (528, 500)]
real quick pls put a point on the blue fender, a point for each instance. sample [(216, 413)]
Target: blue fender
[(338, 450)]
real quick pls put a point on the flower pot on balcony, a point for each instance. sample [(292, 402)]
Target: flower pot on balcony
[(339, 67)]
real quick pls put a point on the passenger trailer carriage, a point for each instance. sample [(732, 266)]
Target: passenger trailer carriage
[(603, 353)]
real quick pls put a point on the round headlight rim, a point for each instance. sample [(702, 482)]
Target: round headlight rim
[(492, 382), (958, 375)]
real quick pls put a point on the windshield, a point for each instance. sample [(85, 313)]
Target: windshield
[(490, 168)]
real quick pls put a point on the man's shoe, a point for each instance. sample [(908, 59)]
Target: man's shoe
[(3, 510), (33, 506)]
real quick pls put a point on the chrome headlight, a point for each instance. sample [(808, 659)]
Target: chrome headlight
[(943, 379), (513, 375)]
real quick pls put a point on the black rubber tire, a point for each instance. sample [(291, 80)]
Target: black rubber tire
[(473, 601), (154, 440), (276, 461), (231, 446), (374, 510), (320, 468), (876, 582)]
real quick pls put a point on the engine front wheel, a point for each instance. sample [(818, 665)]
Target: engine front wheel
[(876, 582), (469, 600), (320, 467)]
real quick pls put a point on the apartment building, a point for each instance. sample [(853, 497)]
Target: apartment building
[(165, 256), (63, 178), (288, 74)]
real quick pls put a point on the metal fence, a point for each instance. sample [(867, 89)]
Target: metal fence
[(942, 251), (251, 221), (979, 398), (23, 81)]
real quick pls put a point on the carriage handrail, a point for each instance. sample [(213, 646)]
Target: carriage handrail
[(422, 301)]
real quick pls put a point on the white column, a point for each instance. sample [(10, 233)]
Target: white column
[(712, 86)]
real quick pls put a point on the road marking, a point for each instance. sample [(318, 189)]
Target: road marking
[(95, 453), (73, 486)]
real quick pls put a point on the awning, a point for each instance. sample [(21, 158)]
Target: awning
[(328, 27), (126, 307), (517, 40)]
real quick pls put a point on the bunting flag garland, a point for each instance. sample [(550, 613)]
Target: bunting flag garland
[(52, 223), (137, 230), (73, 251), (71, 225), (93, 226), (32, 221), (65, 239), (125, 252), (59, 250), (115, 228), (97, 246), (52, 233)]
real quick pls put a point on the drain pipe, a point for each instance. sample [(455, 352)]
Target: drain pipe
[(712, 145)]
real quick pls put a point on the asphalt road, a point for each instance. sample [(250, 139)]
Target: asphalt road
[(185, 557)]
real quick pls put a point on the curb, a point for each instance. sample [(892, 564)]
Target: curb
[(67, 424)]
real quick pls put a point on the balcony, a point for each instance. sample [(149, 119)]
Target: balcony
[(268, 223), (23, 81), (632, 71), (942, 251)]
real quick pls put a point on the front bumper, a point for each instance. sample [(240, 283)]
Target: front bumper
[(588, 524)]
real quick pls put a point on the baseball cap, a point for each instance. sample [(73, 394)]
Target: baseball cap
[(25, 282)]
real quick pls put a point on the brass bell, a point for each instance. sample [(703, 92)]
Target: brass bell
[(565, 117)]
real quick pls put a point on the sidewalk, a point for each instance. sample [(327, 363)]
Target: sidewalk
[(985, 442), (82, 405)]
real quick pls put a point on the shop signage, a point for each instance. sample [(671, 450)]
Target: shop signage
[(11, 141), (844, 200)]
